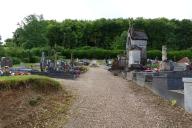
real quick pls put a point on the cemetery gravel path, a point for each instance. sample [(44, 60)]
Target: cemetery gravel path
[(107, 101)]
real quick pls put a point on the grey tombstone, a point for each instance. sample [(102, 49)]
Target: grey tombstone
[(165, 65), (188, 94), (164, 53), (180, 67)]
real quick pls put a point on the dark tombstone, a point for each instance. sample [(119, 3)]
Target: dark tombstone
[(51, 66), (5, 61)]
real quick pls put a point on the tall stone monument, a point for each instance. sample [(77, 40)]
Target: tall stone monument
[(136, 46), (164, 53), (42, 62), (165, 64)]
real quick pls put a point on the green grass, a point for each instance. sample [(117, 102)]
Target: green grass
[(38, 83)]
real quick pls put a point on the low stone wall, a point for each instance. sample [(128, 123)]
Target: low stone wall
[(142, 78), (168, 85), (173, 79)]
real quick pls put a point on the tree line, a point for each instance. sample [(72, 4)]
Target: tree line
[(110, 34)]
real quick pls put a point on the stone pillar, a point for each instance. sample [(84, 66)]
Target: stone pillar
[(188, 94), (164, 53), (42, 63)]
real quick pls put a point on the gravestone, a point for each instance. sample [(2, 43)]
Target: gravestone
[(42, 62), (5, 61), (180, 67), (188, 94), (164, 53), (165, 65)]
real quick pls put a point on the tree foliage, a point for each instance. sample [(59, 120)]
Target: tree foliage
[(31, 32), (1, 40), (34, 31)]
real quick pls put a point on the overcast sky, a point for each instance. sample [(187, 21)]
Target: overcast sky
[(13, 11)]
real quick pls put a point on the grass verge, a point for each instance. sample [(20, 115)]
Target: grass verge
[(38, 83)]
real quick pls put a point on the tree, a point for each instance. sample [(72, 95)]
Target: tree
[(120, 41), (1, 40), (55, 35), (31, 33), (34, 31), (9, 42)]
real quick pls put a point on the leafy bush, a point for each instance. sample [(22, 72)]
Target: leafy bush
[(34, 59), (152, 54), (33, 55), (90, 53), (2, 51), (173, 55), (16, 60), (38, 83), (15, 52), (176, 55), (25, 60)]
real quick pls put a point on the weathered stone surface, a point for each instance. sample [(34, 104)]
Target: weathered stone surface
[(188, 94), (180, 67), (164, 53), (144, 77), (165, 66)]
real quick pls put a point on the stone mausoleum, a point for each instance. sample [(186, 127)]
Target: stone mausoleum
[(136, 47)]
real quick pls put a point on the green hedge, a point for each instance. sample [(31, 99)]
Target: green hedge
[(33, 55), (91, 53), (173, 55), (152, 54), (16, 60)]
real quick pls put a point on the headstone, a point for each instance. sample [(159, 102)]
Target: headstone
[(134, 57), (188, 94), (5, 61), (42, 63), (164, 65), (1, 72), (51, 66), (180, 67), (93, 63), (184, 60), (109, 62), (164, 53)]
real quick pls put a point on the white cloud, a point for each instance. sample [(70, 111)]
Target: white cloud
[(13, 11)]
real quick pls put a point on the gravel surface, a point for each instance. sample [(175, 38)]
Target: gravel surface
[(107, 101)]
